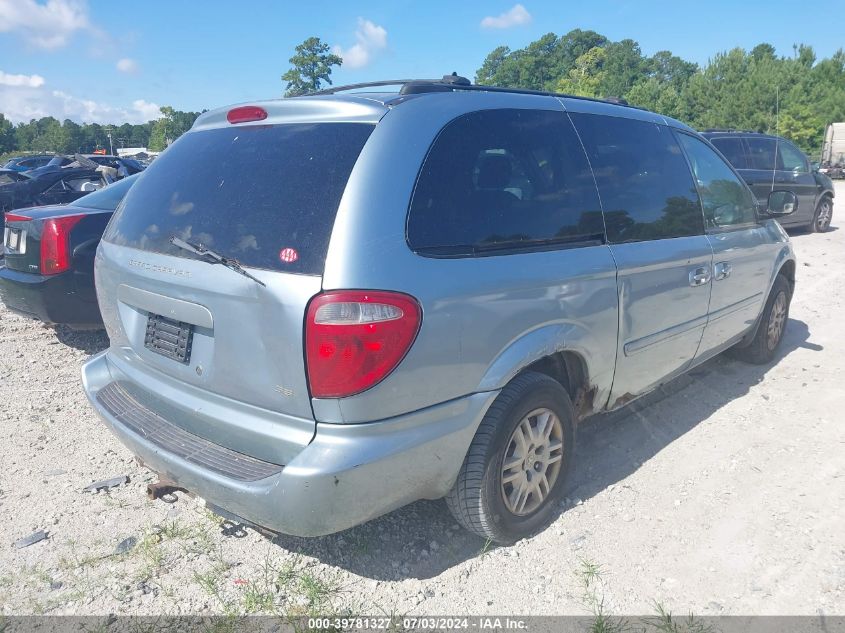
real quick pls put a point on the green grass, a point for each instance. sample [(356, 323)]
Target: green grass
[(591, 579), (288, 589), (664, 622)]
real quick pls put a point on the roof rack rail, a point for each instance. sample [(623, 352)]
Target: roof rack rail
[(366, 84), (730, 129), (452, 83)]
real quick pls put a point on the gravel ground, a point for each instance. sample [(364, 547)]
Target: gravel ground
[(722, 494)]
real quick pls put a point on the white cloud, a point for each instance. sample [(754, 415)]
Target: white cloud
[(147, 110), (370, 38), (127, 65), (516, 16), (32, 81), (49, 25), (23, 101)]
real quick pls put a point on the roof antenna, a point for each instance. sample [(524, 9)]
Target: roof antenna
[(777, 134)]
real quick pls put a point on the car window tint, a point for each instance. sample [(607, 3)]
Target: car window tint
[(733, 149), (644, 181), (725, 198), (791, 158), (247, 192), (504, 179), (761, 153)]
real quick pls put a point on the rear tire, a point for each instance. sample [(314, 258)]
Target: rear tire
[(769, 333), (526, 438), (823, 216)]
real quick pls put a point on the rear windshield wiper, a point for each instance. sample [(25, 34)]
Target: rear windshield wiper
[(216, 258)]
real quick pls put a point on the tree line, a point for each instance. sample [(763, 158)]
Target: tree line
[(68, 137), (795, 96)]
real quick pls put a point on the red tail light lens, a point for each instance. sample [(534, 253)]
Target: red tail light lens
[(55, 244), (354, 339), (245, 114), (14, 217)]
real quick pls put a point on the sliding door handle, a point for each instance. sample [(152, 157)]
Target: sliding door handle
[(722, 270), (699, 276)]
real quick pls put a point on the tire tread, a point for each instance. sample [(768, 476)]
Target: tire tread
[(466, 499), (757, 352)]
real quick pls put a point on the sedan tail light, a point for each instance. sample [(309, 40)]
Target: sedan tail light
[(354, 339), (55, 244), (15, 217)]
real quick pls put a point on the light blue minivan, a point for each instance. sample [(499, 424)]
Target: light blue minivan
[(326, 307)]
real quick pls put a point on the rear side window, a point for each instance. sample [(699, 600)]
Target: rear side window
[(645, 184), (86, 183), (498, 180), (248, 193), (733, 150), (761, 153)]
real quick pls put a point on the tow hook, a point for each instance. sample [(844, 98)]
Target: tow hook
[(164, 490)]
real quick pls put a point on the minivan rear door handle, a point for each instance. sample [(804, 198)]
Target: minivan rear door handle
[(722, 270), (699, 276)]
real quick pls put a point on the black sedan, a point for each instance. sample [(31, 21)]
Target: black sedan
[(49, 263), (57, 187)]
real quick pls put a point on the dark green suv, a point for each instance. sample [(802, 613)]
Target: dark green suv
[(770, 162)]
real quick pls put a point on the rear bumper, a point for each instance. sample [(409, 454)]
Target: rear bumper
[(52, 299), (346, 475)]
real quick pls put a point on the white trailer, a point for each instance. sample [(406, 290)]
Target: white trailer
[(833, 150)]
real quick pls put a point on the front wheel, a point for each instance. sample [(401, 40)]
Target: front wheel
[(823, 216), (769, 333), (515, 471)]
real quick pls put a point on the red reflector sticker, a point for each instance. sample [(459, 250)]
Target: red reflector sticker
[(288, 255)]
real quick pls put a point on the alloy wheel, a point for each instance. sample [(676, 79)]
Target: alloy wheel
[(825, 216), (777, 320), (532, 461)]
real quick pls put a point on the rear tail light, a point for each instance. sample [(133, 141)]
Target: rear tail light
[(55, 244), (354, 339), (14, 217)]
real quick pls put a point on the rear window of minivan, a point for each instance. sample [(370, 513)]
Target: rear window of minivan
[(265, 195)]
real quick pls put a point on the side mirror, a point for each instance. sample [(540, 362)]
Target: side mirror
[(781, 203)]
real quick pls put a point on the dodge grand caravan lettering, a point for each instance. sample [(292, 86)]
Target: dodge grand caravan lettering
[(387, 297)]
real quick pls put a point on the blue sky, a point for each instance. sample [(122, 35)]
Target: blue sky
[(116, 61)]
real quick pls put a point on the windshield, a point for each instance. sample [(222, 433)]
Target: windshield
[(266, 196), (107, 198)]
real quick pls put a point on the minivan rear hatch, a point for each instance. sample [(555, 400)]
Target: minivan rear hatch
[(263, 195)]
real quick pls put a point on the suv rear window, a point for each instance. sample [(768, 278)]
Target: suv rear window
[(246, 192)]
